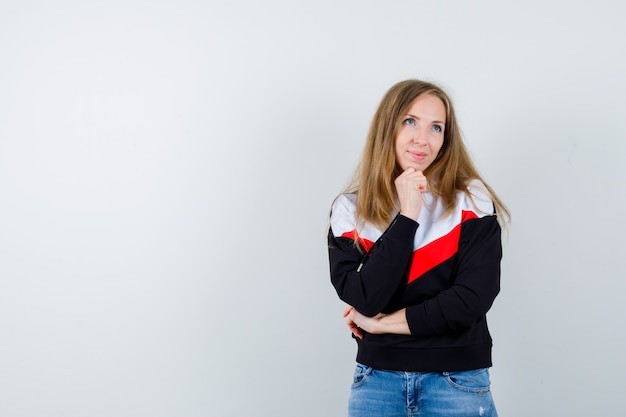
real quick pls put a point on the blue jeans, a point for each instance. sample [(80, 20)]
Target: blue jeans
[(433, 394)]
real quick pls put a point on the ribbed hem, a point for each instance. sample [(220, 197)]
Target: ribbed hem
[(425, 360)]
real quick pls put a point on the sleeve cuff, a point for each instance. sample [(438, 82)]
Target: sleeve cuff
[(402, 228)]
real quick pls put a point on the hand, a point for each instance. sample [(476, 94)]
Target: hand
[(394, 323), (410, 185), (357, 322), (348, 314)]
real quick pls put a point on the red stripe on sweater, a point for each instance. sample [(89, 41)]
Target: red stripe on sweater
[(367, 244), (437, 251)]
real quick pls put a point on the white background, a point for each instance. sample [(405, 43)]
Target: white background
[(166, 170)]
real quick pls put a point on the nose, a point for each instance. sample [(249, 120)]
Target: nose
[(420, 136)]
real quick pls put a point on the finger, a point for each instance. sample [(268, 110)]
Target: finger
[(347, 310), (357, 332), (354, 329), (350, 320)]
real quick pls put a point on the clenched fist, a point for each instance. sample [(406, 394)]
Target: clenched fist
[(410, 185)]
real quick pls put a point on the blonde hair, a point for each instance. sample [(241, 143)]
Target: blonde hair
[(450, 172)]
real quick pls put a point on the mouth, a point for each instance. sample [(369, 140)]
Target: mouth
[(417, 155)]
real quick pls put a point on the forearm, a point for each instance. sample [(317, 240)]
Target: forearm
[(394, 323), (369, 282), (476, 284)]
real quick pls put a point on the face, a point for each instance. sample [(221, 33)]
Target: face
[(420, 135)]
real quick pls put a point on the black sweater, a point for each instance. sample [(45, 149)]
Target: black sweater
[(444, 270)]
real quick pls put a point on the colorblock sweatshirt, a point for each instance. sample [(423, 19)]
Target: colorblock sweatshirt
[(445, 270)]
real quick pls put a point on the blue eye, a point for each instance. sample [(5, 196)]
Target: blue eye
[(409, 122), (438, 128)]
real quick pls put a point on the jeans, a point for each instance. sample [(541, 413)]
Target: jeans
[(433, 394)]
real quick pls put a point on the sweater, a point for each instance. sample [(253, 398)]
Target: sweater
[(445, 270)]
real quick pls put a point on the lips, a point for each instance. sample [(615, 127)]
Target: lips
[(417, 155)]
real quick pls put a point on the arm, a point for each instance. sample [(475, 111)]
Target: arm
[(395, 322), (370, 288), (476, 283), (475, 287), (369, 283)]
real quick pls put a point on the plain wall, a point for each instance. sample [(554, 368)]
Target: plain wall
[(166, 170)]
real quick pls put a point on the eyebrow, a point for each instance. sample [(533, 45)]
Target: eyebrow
[(434, 121)]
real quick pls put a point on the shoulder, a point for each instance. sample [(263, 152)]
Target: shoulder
[(477, 199), (343, 220), (343, 214), (480, 223), (346, 201)]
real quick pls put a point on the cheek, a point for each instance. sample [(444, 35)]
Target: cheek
[(436, 151), (439, 146), (398, 144), (398, 155)]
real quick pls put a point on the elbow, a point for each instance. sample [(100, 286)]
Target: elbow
[(367, 306), (470, 310), (368, 310), (365, 303)]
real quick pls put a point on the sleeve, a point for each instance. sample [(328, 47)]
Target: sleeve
[(368, 282), (476, 283)]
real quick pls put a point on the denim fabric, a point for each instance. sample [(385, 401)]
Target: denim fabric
[(401, 394)]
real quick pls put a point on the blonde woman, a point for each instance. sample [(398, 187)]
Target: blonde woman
[(415, 249)]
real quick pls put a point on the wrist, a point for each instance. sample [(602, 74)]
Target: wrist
[(413, 215), (380, 325), (395, 323)]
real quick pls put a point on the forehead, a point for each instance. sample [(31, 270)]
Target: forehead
[(428, 106)]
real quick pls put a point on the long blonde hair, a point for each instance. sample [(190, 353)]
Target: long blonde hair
[(450, 172)]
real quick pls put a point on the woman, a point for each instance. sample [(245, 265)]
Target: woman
[(414, 249)]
